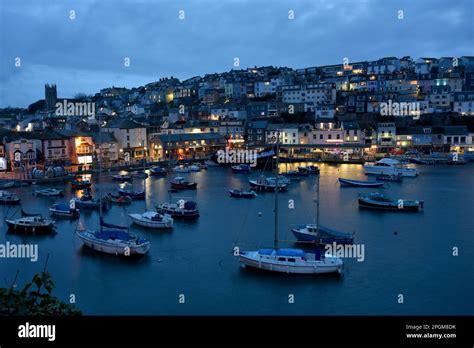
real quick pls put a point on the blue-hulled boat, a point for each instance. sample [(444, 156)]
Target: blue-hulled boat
[(64, 210), (322, 234), (382, 202)]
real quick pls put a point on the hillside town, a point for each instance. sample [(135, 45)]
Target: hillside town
[(351, 111)]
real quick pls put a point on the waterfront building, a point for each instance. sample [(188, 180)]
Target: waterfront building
[(386, 134), (185, 146), (106, 146), (289, 133), (131, 137)]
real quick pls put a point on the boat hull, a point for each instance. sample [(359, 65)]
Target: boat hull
[(29, 229), (393, 207), (305, 236), (252, 261), (113, 248), (357, 183), (137, 219), (370, 169)]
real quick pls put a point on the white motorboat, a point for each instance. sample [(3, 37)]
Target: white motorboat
[(389, 166), (152, 219)]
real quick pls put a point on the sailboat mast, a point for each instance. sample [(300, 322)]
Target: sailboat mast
[(99, 160), (144, 173), (276, 188), (317, 205)]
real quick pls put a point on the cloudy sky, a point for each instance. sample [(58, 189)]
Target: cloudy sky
[(87, 53)]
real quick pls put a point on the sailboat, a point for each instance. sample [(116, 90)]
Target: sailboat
[(112, 239), (287, 260), (151, 219), (320, 234)]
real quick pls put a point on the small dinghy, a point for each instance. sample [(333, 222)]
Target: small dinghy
[(360, 183), (64, 210), (121, 178), (52, 192), (239, 193), (241, 168), (382, 202), (157, 171), (179, 183), (194, 168), (152, 219), (181, 209), (118, 199), (387, 177), (9, 198)]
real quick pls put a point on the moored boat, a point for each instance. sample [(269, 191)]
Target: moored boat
[(140, 174), (180, 183), (360, 183), (79, 184), (64, 210), (181, 169), (264, 184), (152, 219), (210, 163), (31, 224), (181, 209), (122, 177), (52, 192), (321, 234), (241, 168), (115, 240), (128, 191), (309, 169), (239, 193), (118, 199), (6, 184), (386, 177), (380, 201), (157, 171), (9, 198), (389, 166)]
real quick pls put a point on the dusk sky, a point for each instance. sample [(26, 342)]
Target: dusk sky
[(85, 54)]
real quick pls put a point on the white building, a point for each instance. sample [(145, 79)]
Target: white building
[(309, 93), (289, 133), (463, 103)]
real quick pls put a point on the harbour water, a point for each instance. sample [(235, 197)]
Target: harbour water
[(405, 253)]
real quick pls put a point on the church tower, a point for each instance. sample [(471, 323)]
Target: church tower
[(50, 97)]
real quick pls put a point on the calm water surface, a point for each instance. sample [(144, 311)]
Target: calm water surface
[(195, 259)]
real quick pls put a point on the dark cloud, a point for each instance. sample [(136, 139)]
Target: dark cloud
[(86, 54)]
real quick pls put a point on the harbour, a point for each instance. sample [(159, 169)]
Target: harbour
[(410, 254)]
